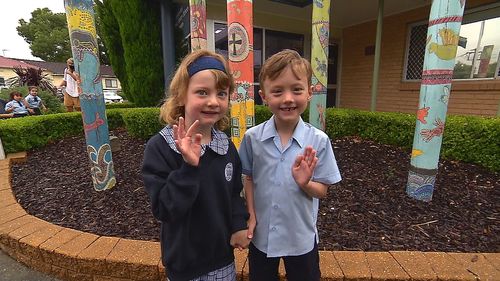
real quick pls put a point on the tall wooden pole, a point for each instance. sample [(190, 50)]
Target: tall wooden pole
[(82, 33), (240, 51), (198, 22), (319, 62), (442, 40)]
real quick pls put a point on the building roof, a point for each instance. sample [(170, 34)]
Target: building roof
[(57, 68), (11, 63)]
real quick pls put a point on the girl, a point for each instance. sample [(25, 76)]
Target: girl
[(192, 174)]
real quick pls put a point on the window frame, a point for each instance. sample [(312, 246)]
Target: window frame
[(111, 80), (467, 13)]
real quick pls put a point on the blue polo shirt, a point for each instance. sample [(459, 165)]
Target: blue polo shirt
[(286, 215), (19, 107), (33, 101)]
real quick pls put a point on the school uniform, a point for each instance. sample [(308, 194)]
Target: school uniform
[(199, 207), (286, 216), (19, 108), (35, 103)]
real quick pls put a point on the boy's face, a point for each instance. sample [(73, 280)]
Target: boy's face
[(18, 97), (286, 96), (34, 91)]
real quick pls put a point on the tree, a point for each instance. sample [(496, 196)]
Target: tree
[(131, 32), (48, 36), (110, 32)]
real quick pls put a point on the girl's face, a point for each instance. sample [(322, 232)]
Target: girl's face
[(18, 97), (204, 102), (34, 91)]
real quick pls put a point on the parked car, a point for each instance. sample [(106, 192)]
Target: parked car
[(111, 96)]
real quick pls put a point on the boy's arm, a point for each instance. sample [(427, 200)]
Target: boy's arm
[(252, 221), (28, 107), (9, 108), (315, 189), (303, 170)]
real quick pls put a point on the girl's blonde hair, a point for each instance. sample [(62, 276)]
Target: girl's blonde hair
[(173, 107)]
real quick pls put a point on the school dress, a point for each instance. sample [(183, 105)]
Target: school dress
[(199, 207)]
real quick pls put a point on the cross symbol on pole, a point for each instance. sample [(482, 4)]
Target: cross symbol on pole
[(233, 42)]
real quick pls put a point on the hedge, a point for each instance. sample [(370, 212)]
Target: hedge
[(467, 138)]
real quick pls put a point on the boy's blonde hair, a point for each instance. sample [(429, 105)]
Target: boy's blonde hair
[(174, 105), (278, 62)]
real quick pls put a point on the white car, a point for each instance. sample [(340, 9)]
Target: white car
[(111, 96)]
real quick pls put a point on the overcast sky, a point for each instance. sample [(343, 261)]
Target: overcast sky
[(11, 44)]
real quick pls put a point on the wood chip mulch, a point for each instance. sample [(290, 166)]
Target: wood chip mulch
[(369, 210)]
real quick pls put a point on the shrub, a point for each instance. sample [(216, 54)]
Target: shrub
[(466, 138), (120, 105), (142, 122)]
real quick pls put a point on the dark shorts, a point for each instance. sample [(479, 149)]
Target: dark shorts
[(298, 268)]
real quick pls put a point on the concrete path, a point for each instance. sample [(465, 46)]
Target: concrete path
[(11, 270)]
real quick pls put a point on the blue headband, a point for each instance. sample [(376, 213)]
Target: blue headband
[(203, 63)]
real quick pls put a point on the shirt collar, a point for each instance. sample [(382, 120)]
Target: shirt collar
[(271, 132), (219, 143)]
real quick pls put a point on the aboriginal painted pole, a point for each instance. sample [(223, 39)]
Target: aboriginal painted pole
[(198, 22), (240, 52), (82, 33), (319, 62), (442, 39)]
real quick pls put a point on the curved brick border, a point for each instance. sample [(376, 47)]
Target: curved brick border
[(74, 255)]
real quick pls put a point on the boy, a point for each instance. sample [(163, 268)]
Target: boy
[(17, 106), (34, 101), (288, 165)]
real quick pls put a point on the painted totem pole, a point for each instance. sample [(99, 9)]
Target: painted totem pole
[(240, 52), (198, 20), (442, 40), (82, 33), (319, 62)]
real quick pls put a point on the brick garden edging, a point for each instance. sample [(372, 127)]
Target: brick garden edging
[(70, 254)]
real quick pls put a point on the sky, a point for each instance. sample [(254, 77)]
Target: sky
[(11, 44)]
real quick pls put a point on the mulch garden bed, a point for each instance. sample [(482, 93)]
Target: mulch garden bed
[(369, 210)]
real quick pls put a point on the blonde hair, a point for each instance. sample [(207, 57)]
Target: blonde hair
[(173, 107), (278, 62)]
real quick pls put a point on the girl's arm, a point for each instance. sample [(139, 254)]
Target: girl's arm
[(171, 183), (239, 237)]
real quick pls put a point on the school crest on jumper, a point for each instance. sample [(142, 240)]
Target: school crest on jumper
[(228, 172)]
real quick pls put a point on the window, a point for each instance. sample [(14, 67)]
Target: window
[(111, 83), (2, 81), (478, 52), (275, 41)]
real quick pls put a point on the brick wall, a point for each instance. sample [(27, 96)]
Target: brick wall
[(467, 97)]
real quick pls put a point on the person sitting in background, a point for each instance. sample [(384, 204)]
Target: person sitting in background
[(17, 105), (34, 101)]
